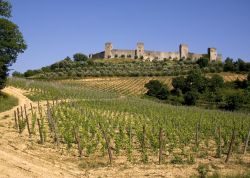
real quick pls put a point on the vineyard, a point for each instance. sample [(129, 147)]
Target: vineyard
[(134, 85), (106, 126)]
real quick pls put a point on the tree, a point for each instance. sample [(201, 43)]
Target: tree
[(78, 57), (178, 83), (241, 65), (17, 74), (233, 102), (11, 42), (5, 9), (248, 77), (163, 93), (229, 65), (190, 98), (153, 87), (203, 62), (216, 82), (195, 81), (157, 89)]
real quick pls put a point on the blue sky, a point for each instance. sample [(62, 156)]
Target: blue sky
[(54, 29)]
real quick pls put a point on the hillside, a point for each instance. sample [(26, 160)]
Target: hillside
[(118, 67), (192, 138), (135, 85)]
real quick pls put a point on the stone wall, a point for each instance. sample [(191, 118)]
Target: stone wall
[(140, 52), (117, 53), (195, 56), (152, 55), (100, 55)]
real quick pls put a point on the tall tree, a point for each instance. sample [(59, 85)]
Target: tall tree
[(11, 41)]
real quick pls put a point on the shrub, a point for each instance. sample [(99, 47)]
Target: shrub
[(190, 98), (157, 89), (163, 93), (177, 160), (78, 57), (202, 62), (202, 170), (233, 102), (216, 82)]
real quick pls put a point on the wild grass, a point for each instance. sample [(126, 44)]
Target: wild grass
[(7, 102)]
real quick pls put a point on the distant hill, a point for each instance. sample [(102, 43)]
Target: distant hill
[(73, 69), (67, 68)]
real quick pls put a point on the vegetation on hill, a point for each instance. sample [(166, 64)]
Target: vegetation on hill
[(80, 66), (213, 91)]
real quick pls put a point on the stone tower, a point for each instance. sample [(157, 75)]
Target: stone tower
[(183, 51), (108, 50), (140, 50), (212, 53)]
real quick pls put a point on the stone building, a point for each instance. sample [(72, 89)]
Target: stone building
[(141, 53)]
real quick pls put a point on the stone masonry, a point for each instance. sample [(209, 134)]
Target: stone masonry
[(141, 53)]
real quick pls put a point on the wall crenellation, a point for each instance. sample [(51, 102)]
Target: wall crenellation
[(141, 53)]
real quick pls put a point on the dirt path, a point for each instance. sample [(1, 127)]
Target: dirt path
[(15, 160)]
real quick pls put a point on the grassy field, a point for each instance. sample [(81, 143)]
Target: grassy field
[(133, 85), (7, 102)]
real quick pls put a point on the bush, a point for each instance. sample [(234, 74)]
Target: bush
[(190, 98), (177, 160), (163, 93), (233, 102), (202, 170), (157, 89), (216, 82), (80, 57), (203, 62), (241, 84)]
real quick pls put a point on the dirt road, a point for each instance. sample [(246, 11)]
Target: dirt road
[(15, 159)]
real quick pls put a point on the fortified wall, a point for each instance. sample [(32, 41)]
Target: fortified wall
[(141, 53)]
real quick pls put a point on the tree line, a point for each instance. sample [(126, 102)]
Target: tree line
[(197, 89)]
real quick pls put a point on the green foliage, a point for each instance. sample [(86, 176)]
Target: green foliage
[(179, 83), (233, 102), (229, 65), (79, 57), (11, 42), (196, 81), (157, 89), (177, 160), (241, 84), (216, 82), (190, 98), (5, 8), (17, 74), (7, 102), (203, 170), (248, 77), (203, 62)]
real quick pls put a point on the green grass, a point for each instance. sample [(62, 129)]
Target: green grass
[(7, 102)]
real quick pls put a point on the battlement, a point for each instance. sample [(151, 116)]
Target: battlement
[(141, 53)]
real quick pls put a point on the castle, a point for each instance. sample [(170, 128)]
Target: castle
[(141, 53)]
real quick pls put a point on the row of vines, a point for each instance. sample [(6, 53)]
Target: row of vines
[(140, 130)]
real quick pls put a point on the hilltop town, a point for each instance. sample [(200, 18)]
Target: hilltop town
[(141, 53)]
